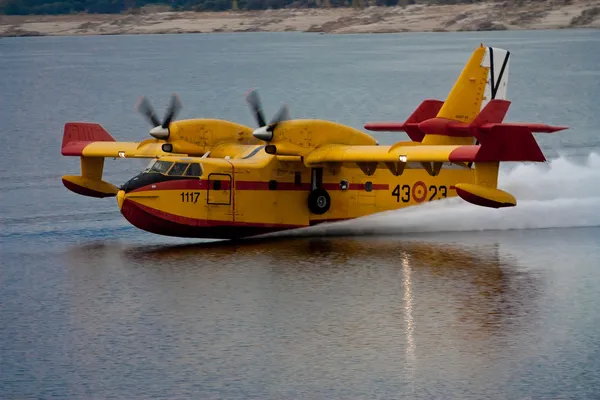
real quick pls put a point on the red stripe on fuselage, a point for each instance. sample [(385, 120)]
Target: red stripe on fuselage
[(199, 184), (356, 186), (264, 185)]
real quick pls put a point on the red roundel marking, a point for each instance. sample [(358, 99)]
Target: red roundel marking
[(419, 191)]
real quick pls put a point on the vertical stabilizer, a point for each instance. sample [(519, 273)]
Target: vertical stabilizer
[(497, 60), (484, 77)]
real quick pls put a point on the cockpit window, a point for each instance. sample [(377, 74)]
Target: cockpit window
[(150, 164), (193, 170), (178, 169), (161, 167)]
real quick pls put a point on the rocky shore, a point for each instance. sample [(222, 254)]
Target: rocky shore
[(508, 15)]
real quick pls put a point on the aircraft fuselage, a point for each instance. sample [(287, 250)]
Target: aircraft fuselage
[(260, 193)]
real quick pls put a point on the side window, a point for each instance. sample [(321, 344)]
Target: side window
[(217, 185), (298, 178), (178, 169), (193, 170), (161, 167), (369, 186)]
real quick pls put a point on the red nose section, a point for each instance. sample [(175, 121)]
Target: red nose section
[(162, 223)]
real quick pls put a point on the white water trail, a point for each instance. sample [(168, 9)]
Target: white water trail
[(558, 194)]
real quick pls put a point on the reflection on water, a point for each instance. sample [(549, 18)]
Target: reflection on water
[(408, 317), (485, 287), (283, 314)]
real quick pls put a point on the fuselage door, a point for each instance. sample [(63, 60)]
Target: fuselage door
[(219, 189)]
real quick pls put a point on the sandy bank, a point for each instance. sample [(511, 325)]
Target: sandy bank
[(415, 18)]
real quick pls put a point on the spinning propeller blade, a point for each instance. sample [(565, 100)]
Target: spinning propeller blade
[(256, 107), (160, 130), (146, 109), (173, 110), (282, 115), (264, 130)]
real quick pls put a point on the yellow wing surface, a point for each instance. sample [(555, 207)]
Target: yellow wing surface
[(92, 143), (408, 152), (85, 139)]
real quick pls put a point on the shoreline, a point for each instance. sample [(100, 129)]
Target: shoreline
[(486, 16)]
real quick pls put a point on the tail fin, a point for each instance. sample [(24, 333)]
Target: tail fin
[(484, 78)]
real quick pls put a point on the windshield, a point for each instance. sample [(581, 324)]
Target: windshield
[(161, 167), (150, 164)]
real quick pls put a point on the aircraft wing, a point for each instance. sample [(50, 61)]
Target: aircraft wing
[(499, 142), (92, 144), (91, 140), (410, 152), (145, 149)]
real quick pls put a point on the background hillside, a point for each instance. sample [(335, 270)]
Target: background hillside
[(26, 7), (112, 17)]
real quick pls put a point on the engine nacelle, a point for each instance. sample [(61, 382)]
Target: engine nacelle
[(197, 136)]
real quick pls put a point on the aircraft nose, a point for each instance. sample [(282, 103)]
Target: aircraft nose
[(120, 198)]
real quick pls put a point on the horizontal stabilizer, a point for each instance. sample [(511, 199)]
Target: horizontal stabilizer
[(77, 135), (501, 144), (485, 196), (427, 109), (532, 127), (493, 112), (499, 141), (509, 143)]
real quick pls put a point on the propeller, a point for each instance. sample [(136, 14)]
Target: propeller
[(160, 130), (264, 130)]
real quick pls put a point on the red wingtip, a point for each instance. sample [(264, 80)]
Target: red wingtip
[(77, 135)]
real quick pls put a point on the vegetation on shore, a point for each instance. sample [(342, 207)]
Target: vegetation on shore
[(54, 7)]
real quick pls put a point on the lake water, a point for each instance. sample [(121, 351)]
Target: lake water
[(445, 300)]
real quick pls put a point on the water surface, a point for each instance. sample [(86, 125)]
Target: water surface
[(445, 300)]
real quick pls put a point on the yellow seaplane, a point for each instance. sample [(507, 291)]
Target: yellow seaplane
[(211, 178)]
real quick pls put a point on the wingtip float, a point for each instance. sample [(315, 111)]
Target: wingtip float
[(207, 176)]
